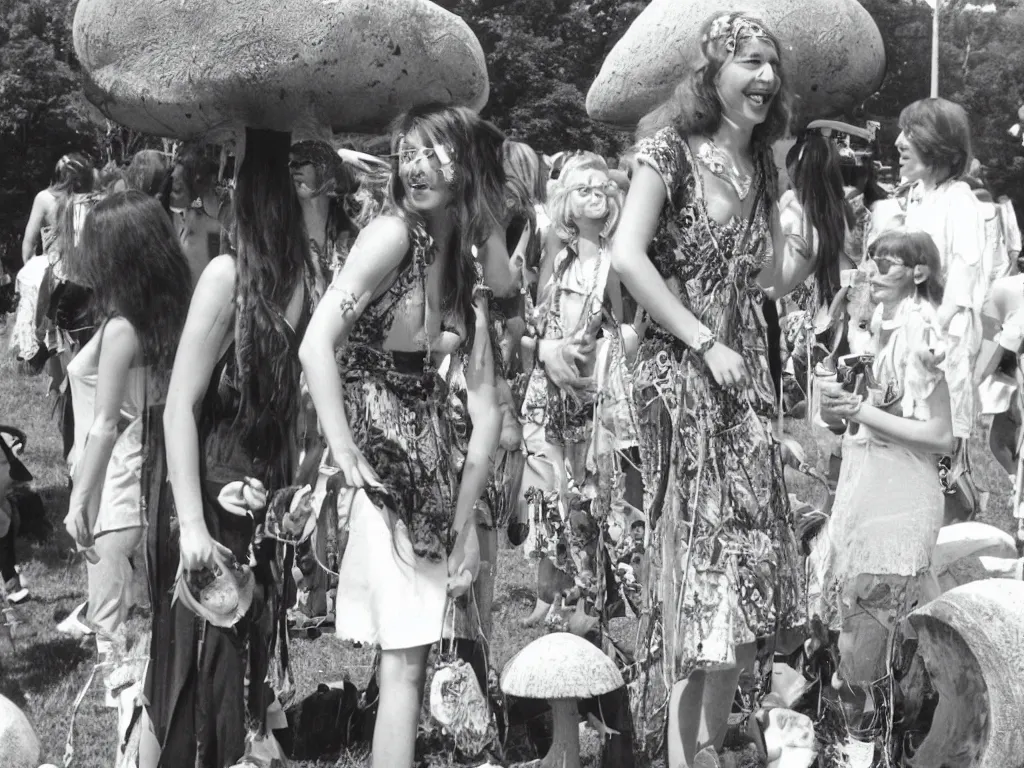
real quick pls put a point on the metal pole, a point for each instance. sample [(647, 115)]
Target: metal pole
[(935, 49)]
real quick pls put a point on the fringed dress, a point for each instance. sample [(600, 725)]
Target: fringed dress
[(888, 509), (209, 689), (724, 564)]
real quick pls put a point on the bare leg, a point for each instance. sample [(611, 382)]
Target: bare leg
[(540, 608), (484, 586), (684, 717), (403, 674)]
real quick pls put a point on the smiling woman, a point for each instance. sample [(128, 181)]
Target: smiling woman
[(408, 295), (702, 204)]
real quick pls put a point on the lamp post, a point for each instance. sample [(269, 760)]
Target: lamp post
[(935, 47)]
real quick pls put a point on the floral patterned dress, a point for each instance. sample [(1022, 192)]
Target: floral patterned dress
[(393, 574), (724, 564)]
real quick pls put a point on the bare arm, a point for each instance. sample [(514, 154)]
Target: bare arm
[(35, 225), (552, 245), (795, 257), (208, 328), (118, 351), (377, 253), (932, 436), (636, 229), (494, 257), (485, 415)]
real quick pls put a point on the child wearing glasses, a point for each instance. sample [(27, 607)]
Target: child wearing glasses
[(889, 501), (578, 347)]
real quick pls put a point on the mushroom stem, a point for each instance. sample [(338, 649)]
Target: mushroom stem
[(565, 747)]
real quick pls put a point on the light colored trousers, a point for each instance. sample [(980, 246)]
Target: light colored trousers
[(111, 580)]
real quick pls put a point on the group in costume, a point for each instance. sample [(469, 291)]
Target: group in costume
[(331, 385)]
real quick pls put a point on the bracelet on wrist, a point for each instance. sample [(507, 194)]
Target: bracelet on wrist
[(705, 345)]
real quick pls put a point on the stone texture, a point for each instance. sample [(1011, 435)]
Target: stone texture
[(970, 641), (191, 68), (19, 746), (834, 55)]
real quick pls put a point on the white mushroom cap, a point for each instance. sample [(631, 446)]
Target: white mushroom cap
[(206, 68), (560, 666)]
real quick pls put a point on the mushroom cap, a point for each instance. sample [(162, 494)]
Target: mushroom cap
[(19, 745), (560, 666), (833, 55), (204, 68)]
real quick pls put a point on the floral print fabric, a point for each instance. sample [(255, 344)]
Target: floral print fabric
[(724, 563), (397, 409)]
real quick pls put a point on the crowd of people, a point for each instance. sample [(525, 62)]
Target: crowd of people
[(303, 387)]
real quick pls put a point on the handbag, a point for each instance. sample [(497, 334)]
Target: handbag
[(457, 705)]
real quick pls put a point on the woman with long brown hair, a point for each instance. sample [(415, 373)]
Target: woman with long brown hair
[(232, 419), (725, 568), (409, 295)]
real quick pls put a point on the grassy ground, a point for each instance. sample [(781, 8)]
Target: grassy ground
[(44, 671)]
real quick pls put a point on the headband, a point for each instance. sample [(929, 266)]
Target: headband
[(730, 28)]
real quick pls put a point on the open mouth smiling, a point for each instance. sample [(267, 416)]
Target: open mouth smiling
[(759, 98)]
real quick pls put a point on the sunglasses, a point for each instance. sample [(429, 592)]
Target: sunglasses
[(298, 163), (885, 263), (607, 189), (409, 155)]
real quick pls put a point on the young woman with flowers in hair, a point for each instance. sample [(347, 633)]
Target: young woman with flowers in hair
[(725, 569), (410, 294)]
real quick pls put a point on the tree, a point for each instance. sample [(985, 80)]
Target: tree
[(542, 56), (42, 114)]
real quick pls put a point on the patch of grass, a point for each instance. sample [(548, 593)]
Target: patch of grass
[(44, 671)]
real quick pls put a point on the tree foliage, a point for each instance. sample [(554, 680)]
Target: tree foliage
[(542, 56), (41, 114)]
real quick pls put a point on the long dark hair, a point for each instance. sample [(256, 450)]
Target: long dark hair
[(272, 261), (818, 184), (128, 254), (862, 177), (147, 171), (476, 209)]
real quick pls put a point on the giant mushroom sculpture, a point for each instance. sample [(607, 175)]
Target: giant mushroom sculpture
[(206, 68), (561, 668), (969, 639), (833, 53)]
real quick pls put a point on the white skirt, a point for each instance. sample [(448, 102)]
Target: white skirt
[(387, 596)]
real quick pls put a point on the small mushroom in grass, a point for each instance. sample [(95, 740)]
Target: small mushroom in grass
[(561, 668)]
